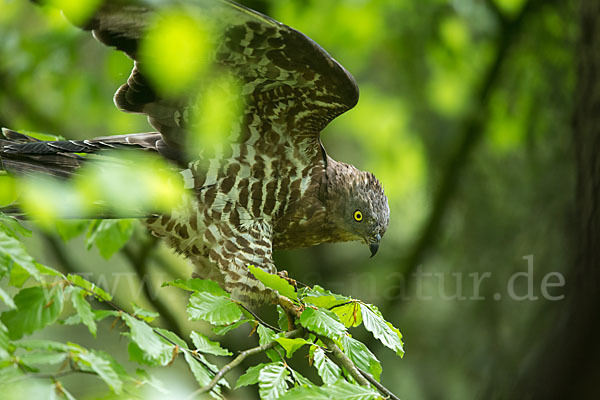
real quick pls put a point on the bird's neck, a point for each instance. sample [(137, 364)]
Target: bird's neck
[(338, 175)]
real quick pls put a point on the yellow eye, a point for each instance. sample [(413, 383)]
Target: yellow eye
[(358, 216)]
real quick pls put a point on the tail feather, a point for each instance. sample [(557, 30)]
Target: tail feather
[(33, 162), (21, 154), (25, 155)]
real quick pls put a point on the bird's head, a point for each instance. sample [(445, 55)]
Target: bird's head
[(357, 205)]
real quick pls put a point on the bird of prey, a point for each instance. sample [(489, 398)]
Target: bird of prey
[(271, 185)]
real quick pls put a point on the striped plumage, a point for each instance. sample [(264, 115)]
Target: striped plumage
[(270, 184)]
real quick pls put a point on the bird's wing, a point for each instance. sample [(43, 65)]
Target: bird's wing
[(289, 85)]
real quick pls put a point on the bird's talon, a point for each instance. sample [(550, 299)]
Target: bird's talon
[(283, 274)]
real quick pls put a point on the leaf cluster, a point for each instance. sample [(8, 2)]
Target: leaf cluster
[(41, 294)]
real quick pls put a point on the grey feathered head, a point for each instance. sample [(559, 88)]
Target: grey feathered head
[(358, 206)]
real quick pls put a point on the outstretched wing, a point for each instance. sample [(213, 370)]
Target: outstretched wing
[(290, 86)]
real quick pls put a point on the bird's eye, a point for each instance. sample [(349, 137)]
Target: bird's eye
[(358, 216)]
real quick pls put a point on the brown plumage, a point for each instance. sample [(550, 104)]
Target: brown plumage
[(270, 184)]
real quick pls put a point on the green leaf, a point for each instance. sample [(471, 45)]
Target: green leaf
[(339, 390), (10, 372), (11, 250), (144, 378), (326, 301), (4, 342), (152, 346), (201, 374), (350, 314), (324, 298), (327, 369), (36, 308), (265, 336), (223, 329), (18, 274), (109, 235), (137, 355), (322, 322), (38, 344), (272, 381), (291, 345), (307, 393), (202, 370), (274, 282), (299, 379), (361, 356), (198, 285), (250, 377), (99, 364), (99, 315), (73, 319), (172, 336), (113, 363), (46, 358), (282, 320), (46, 270), (146, 315), (12, 226), (69, 229), (218, 310), (382, 330), (84, 310), (89, 286), (204, 345), (6, 299), (66, 393)]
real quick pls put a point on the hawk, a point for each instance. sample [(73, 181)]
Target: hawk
[(271, 185)]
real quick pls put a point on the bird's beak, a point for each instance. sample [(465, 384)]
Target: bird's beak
[(374, 244)]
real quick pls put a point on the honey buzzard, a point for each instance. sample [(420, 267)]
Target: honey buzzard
[(271, 185)]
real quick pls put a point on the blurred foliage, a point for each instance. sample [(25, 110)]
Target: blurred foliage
[(173, 62), (127, 184), (423, 68)]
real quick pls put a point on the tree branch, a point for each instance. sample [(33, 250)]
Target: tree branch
[(342, 360), (241, 357), (50, 376), (259, 319), (385, 391)]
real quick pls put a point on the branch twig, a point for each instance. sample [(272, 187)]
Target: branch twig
[(50, 376), (241, 357), (259, 320), (360, 376), (341, 359), (385, 391)]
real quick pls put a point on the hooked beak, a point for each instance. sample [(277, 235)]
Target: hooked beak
[(374, 244)]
